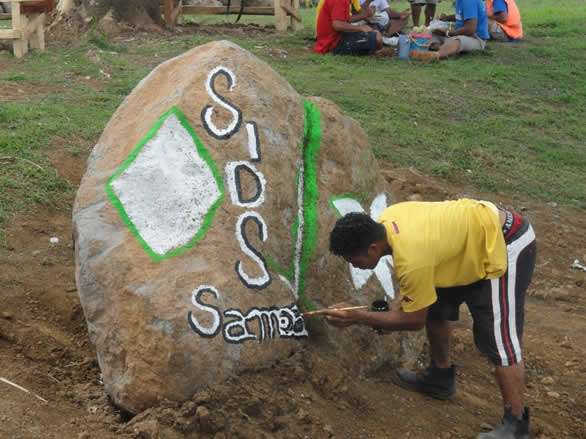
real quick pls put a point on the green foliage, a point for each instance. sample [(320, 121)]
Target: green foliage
[(510, 120)]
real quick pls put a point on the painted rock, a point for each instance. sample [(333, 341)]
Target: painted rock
[(202, 224)]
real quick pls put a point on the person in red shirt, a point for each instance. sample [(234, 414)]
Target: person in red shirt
[(336, 34)]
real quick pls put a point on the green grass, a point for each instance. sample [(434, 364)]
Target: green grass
[(510, 120)]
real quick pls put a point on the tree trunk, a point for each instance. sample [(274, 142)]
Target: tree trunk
[(65, 7), (139, 13), (142, 14)]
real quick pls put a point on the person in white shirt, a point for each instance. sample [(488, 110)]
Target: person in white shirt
[(384, 19)]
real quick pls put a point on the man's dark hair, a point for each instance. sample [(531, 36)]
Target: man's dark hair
[(353, 234)]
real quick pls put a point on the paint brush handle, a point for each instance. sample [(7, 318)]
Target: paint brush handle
[(324, 311)]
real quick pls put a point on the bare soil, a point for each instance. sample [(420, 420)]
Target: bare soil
[(44, 347)]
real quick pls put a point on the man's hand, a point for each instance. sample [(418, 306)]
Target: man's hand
[(339, 319), (393, 320), (343, 26), (369, 12), (365, 13), (501, 17), (365, 28)]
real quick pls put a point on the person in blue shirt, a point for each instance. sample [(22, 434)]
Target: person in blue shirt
[(469, 34), (499, 6)]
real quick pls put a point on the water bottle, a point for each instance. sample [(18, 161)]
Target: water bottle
[(404, 46)]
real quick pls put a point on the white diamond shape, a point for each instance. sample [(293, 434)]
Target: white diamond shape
[(168, 188)]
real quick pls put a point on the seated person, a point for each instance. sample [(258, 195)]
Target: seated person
[(336, 34), (354, 9), (470, 34), (384, 19), (504, 20)]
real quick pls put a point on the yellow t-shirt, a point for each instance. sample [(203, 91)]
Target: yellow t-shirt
[(443, 244)]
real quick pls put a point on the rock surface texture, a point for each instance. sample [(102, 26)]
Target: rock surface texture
[(202, 227)]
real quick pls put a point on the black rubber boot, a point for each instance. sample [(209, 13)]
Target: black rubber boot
[(435, 382), (510, 427)]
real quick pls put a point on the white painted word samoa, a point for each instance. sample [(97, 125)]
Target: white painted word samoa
[(285, 322)]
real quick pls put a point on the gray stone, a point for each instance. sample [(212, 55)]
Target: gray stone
[(186, 264)]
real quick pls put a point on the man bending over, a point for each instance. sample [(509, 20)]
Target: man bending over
[(445, 254)]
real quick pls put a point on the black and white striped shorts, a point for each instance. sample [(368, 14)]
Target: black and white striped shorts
[(496, 305)]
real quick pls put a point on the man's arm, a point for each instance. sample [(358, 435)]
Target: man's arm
[(344, 26), (341, 18), (365, 12), (468, 29), (501, 17), (499, 11), (394, 320), (445, 17), (469, 17)]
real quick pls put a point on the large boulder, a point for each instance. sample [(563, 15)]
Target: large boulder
[(202, 226)]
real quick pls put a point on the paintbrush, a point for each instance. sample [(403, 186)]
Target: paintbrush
[(325, 310)]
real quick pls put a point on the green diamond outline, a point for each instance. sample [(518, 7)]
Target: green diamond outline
[(203, 153)]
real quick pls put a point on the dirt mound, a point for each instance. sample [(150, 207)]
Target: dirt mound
[(44, 347), (281, 405)]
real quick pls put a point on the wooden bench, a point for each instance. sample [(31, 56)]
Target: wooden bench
[(286, 12), (27, 29)]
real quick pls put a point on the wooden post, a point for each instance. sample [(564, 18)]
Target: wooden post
[(20, 45), (281, 17), (35, 32), (40, 40), (168, 11), (295, 23)]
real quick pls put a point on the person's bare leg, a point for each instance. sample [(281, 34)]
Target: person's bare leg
[(429, 13), (449, 48), (379, 40), (438, 334), (382, 51), (415, 14), (511, 381)]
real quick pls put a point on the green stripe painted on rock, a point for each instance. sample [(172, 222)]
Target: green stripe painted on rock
[(311, 149)]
